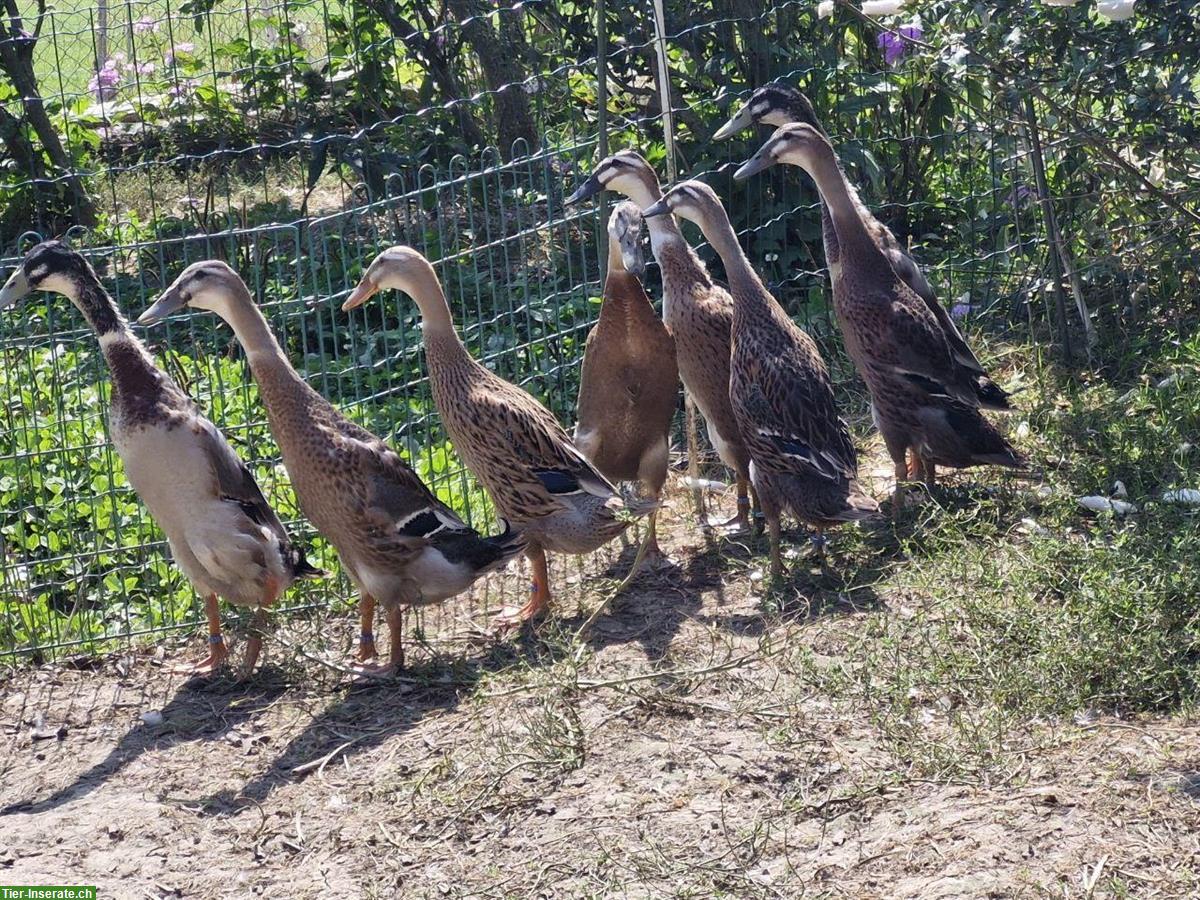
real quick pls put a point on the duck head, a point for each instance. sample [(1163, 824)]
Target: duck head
[(50, 266), (625, 172), (798, 144), (773, 104), (211, 285), (691, 200), (625, 239)]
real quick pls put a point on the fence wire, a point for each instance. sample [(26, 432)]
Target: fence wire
[(296, 139)]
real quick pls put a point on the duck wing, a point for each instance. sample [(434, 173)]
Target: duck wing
[(787, 401)]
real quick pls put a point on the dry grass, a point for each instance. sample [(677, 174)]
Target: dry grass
[(691, 748)]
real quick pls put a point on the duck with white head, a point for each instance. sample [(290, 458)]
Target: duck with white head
[(697, 311)]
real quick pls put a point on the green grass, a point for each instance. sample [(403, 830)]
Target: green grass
[(1017, 606), (65, 59)]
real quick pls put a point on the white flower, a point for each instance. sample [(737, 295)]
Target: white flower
[(825, 9), (882, 7), (1115, 10)]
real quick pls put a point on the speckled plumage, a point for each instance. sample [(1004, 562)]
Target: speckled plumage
[(802, 459), (397, 541), (780, 104), (535, 475), (527, 463), (922, 398)]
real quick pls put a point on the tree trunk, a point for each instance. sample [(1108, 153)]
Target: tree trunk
[(434, 61), (16, 60), (756, 59), (501, 56)]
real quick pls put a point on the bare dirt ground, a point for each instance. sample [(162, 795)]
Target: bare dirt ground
[(681, 749)]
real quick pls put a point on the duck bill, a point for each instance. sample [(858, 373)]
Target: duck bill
[(656, 209), (589, 188), (14, 289), (740, 121), (633, 261), (365, 291), (755, 164), (169, 303)]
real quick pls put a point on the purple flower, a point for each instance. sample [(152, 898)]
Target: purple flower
[(146, 68), (107, 81), (894, 46), (1020, 194), (185, 48), (182, 91), (145, 25), (960, 311)]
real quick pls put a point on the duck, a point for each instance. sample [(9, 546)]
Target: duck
[(399, 544), (802, 459), (697, 311), (922, 397), (536, 476), (629, 385), (778, 104), (222, 532)]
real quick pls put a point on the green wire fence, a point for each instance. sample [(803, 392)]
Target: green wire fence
[(296, 139)]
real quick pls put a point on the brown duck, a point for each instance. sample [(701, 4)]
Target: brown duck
[(698, 312), (780, 104), (533, 472), (923, 399), (399, 544), (629, 387), (801, 456)]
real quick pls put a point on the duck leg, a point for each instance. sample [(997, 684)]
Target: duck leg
[(366, 637), (777, 569), (821, 550), (271, 591), (741, 521), (217, 651), (897, 448), (901, 486), (653, 558), (253, 643), (539, 600), (922, 468), (371, 666)]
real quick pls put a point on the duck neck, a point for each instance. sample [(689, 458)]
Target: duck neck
[(442, 343), (718, 231), (664, 230), (101, 312), (842, 206), (134, 373), (253, 332), (616, 263)]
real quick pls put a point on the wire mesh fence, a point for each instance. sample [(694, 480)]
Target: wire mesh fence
[(296, 139)]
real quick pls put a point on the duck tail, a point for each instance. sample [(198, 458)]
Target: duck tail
[(301, 568), (992, 396), (1009, 457), (859, 507), (505, 546)]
